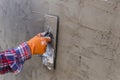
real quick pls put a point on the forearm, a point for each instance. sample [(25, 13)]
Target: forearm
[(12, 60)]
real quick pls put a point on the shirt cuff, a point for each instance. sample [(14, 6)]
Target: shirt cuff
[(22, 53)]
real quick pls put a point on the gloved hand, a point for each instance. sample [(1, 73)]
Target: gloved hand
[(38, 43)]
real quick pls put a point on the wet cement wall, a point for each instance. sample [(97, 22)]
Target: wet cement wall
[(89, 37)]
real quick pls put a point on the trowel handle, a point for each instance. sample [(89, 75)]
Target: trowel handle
[(46, 33), (49, 34)]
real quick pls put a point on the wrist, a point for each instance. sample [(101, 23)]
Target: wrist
[(30, 47), (23, 50)]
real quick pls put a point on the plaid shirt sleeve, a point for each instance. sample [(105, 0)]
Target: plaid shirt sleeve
[(12, 60)]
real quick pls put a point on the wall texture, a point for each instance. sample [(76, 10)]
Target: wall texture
[(89, 37)]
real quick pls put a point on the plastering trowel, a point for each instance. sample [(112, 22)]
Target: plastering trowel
[(51, 30)]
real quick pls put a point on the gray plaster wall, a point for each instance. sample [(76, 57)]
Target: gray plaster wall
[(89, 37)]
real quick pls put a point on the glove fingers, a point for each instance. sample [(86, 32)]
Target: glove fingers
[(42, 34), (39, 35), (48, 39)]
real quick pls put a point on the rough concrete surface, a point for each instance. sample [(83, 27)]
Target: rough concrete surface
[(89, 37)]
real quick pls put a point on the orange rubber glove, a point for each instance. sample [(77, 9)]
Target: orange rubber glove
[(38, 44)]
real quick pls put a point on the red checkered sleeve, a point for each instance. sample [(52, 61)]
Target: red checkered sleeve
[(12, 60)]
